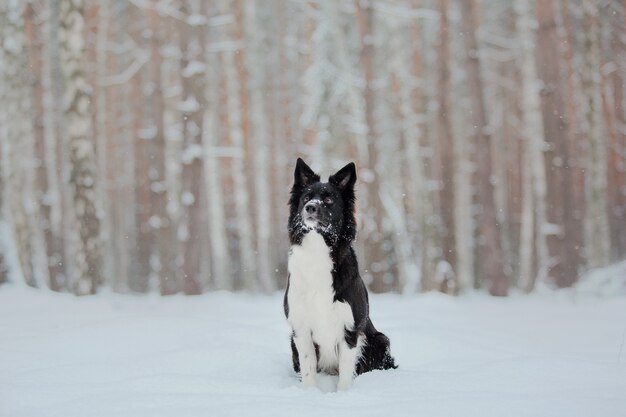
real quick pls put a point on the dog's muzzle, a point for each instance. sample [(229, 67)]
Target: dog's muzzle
[(310, 213)]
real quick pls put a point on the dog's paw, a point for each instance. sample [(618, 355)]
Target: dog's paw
[(344, 384), (308, 381)]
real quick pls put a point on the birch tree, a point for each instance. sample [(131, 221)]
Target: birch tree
[(18, 141), (38, 174), (87, 268), (49, 184)]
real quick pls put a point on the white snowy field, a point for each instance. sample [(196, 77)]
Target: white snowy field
[(228, 355)]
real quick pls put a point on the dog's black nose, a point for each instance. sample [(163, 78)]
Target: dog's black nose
[(311, 208)]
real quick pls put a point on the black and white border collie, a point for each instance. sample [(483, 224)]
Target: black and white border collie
[(326, 302)]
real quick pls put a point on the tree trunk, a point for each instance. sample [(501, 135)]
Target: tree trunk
[(87, 257), (213, 131), (490, 247), (161, 223), (4, 267), (260, 144), (405, 202), (563, 267), (192, 193), (5, 243), (615, 117), (597, 236), (533, 192), (376, 262), (141, 137), (121, 166), (101, 118), (446, 149), (52, 210), (464, 211), (576, 149), (19, 146), (44, 240), (240, 182)]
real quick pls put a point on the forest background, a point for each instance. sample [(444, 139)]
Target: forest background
[(149, 145)]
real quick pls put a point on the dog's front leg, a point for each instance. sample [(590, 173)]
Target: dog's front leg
[(307, 357), (347, 365)]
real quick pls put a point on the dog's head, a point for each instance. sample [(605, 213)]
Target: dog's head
[(327, 207)]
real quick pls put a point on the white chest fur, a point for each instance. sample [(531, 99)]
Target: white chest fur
[(311, 306)]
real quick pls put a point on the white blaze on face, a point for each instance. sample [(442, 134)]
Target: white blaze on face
[(307, 219)]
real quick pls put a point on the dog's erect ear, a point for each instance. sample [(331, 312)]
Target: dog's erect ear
[(345, 177), (304, 175)]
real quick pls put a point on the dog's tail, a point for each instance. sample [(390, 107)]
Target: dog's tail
[(376, 352)]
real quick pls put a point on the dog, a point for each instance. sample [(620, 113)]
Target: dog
[(326, 302)]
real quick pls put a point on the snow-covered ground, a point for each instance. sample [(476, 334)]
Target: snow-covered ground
[(228, 355)]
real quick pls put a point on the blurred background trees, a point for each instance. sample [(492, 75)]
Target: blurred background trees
[(148, 145)]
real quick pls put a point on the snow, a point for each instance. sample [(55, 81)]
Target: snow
[(148, 132), (155, 222), (191, 152), (190, 105), (187, 198), (221, 20), (197, 20), (548, 229), (607, 281), (223, 354), (193, 68), (8, 249)]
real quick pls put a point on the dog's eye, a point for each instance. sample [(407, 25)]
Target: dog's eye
[(306, 198), (328, 200)]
